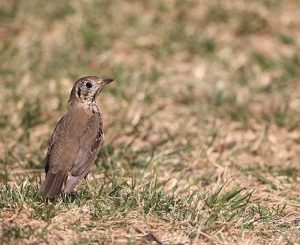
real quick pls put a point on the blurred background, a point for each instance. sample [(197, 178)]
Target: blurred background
[(206, 87)]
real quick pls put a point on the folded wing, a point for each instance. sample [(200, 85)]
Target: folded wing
[(89, 145)]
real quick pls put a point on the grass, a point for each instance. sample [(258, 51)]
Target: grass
[(128, 203), (201, 125)]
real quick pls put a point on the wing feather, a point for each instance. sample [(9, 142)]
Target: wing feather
[(58, 130), (89, 146), (54, 180)]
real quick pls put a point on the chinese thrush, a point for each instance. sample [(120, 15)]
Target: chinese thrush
[(76, 139)]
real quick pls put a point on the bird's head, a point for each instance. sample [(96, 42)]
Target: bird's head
[(87, 88)]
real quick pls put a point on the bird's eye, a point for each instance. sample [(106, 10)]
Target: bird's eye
[(89, 85)]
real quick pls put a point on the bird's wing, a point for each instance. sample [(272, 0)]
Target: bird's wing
[(58, 130), (54, 179), (89, 146)]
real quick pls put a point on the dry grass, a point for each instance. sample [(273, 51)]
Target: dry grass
[(202, 126)]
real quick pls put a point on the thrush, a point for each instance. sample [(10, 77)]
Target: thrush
[(76, 140)]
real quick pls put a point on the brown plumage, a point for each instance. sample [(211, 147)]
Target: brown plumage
[(76, 139)]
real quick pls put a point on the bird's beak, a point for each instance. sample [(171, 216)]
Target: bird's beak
[(106, 81), (102, 83)]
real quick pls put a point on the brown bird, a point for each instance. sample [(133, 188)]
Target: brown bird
[(76, 139)]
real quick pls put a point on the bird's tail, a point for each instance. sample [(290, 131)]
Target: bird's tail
[(53, 184)]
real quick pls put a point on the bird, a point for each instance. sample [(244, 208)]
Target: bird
[(76, 139)]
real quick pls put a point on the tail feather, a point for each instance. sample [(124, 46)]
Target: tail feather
[(53, 184)]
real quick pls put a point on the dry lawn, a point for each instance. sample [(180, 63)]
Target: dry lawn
[(202, 124)]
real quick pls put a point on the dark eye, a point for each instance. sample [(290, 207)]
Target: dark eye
[(89, 85)]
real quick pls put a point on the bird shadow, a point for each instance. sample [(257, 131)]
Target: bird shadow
[(65, 198), (69, 198)]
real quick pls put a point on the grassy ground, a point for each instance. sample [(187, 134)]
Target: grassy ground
[(202, 124)]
